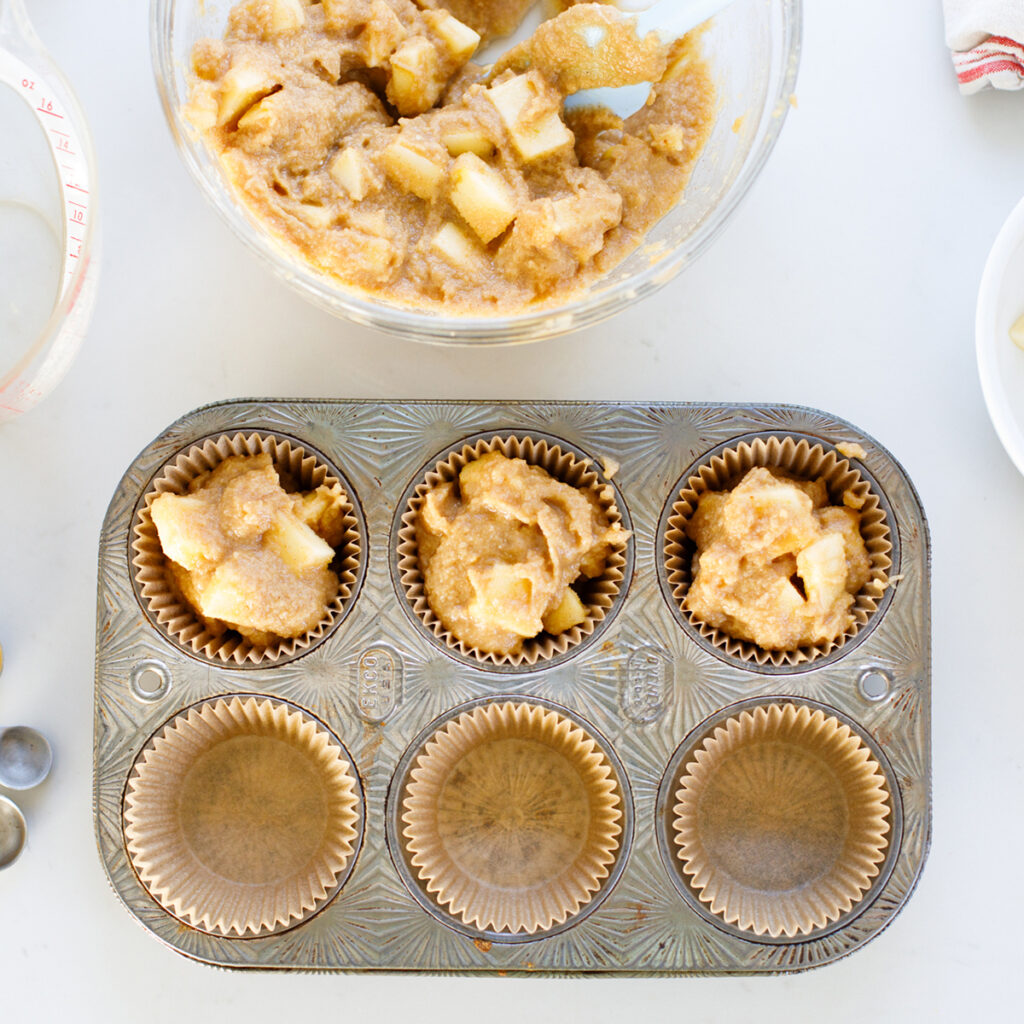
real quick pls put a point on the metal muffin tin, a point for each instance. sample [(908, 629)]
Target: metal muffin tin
[(646, 688)]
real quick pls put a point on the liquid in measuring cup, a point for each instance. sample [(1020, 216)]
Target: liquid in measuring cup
[(49, 247), (31, 249)]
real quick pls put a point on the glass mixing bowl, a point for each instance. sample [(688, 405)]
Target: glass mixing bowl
[(753, 47)]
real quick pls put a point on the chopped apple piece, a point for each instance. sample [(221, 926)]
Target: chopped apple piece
[(383, 34), (267, 18), (480, 194), (503, 595), (286, 16), (472, 472), (330, 63), (416, 82), (180, 520), (185, 582), (412, 170), (455, 246), (349, 171), (297, 544), (529, 108), (223, 595), (846, 523), (458, 143), (322, 511), (318, 217), (567, 613), (458, 37), (335, 9), (259, 117), (785, 600), (242, 86), (822, 567)]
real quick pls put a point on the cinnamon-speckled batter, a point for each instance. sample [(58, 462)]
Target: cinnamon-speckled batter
[(500, 550), (359, 132), (776, 563)]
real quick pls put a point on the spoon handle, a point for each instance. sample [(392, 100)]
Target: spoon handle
[(671, 19), (674, 18)]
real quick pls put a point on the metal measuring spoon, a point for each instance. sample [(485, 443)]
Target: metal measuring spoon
[(12, 832), (25, 757)]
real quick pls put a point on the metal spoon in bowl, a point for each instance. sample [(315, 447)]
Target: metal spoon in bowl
[(671, 20), (25, 757)]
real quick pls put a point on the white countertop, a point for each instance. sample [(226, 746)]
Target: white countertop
[(847, 281)]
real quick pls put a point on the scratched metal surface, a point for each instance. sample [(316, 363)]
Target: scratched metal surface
[(643, 685)]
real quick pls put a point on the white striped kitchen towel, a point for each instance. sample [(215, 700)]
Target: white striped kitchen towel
[(987, 40)]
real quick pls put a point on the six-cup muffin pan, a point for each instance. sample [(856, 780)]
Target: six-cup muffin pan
[(649, 690)]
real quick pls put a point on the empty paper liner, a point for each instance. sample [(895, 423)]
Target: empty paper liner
[(798, 459), (241, 816), (511, 817), (599, 595), (782, 820), (298, 470)]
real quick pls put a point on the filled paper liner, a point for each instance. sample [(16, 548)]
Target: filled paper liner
[(797, 458), (240, 816), (299, 470), (599, 594), (512, 817), (781, 820)]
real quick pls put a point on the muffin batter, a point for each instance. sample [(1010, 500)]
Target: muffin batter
[(500, 550), (360, 134), (776, 564), (249, 556)]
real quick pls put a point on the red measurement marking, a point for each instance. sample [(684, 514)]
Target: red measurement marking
[(57, 131), (52, 113), (77, 188), (81, 206)]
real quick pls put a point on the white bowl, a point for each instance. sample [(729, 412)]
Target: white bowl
[(1000, 362)]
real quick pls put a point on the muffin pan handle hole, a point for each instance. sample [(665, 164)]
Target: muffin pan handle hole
[(150, 681), (874, 684)]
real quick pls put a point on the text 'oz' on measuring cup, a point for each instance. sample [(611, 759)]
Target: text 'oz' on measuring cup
[(12, 832), (49, 243)]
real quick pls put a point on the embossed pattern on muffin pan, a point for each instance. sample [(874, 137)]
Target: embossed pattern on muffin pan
[(646, 689)]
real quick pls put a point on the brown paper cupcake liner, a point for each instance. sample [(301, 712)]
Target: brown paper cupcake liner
[(801, 459), (782, 819), (241, 815), (512, 817), (599, 594), (175, 616)]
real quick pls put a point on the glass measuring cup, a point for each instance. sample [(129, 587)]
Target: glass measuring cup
[(49, 243)]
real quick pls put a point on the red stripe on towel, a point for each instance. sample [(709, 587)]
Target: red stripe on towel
[(991, 67), (995, 56)]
